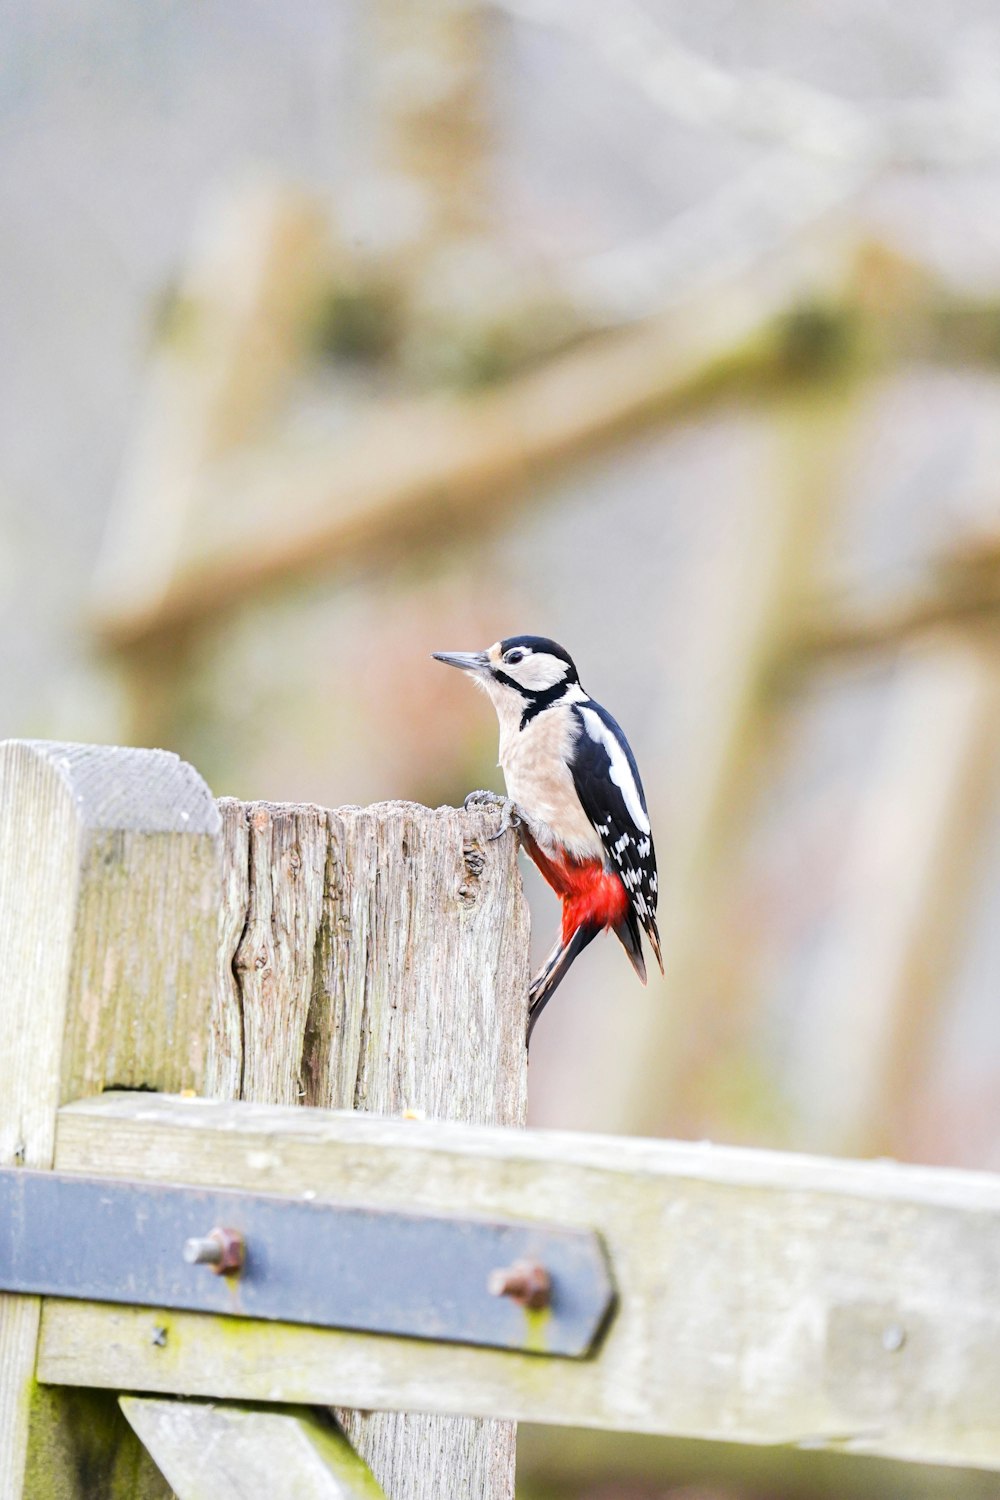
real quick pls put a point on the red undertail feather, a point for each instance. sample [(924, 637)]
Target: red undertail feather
[(591, 895), (592, 898), (597, 898)]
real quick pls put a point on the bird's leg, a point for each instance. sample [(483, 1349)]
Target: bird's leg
[(510, 818)]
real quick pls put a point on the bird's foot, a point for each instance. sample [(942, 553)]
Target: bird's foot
[(510, 813)]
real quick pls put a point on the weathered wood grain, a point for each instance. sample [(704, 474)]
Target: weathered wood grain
[(221, 1451), (764, 1298), (377, 959), (108, 896)]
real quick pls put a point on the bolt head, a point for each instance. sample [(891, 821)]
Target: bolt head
[(222, 1250), (526, 1282)]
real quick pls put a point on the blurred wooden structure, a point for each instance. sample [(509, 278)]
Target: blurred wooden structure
[(205, 522), (230, 493), (757, 1297)]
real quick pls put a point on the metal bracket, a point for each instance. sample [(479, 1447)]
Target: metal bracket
[(505, 1284)]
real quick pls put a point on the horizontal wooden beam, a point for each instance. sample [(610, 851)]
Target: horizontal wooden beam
[(960, 589), (764, 1297), (416, 465)]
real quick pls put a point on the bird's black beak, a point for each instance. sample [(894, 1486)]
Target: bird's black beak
[(469, 661)]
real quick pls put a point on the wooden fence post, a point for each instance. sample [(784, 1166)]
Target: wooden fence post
[(377, 959), (365, 958), (109, 873)]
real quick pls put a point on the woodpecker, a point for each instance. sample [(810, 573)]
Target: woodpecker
[(575, 796)]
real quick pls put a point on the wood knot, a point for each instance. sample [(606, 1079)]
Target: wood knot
[(475, 862)]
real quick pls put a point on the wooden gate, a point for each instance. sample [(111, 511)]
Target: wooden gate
[(254, 1010)]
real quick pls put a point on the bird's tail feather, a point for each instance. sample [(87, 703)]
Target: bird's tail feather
[(654, 940), (627, 933), (554, 970)]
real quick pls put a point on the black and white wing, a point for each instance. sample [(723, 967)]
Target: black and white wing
[(607, 783)]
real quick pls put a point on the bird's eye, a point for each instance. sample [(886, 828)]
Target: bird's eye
[(513, 657)]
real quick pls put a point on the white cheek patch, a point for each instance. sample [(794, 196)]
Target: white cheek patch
[(537, 671), (621, 771)]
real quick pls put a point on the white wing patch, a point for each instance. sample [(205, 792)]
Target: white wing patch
[(621, 771)]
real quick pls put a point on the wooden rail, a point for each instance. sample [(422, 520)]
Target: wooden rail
[(763, 1297)]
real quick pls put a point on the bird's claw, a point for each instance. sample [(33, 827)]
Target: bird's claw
[(510, 816)]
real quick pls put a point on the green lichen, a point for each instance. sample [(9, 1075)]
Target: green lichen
[(536, 1329), (356, 323), (80, 1447), (817, 338), (177, 319)]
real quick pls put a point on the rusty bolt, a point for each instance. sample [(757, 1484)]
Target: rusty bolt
[(526, 1282), (221, 1250)]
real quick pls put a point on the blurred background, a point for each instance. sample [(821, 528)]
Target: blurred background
[(334, 334)]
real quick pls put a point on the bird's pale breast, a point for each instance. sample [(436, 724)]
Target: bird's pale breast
[(535, 767)]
